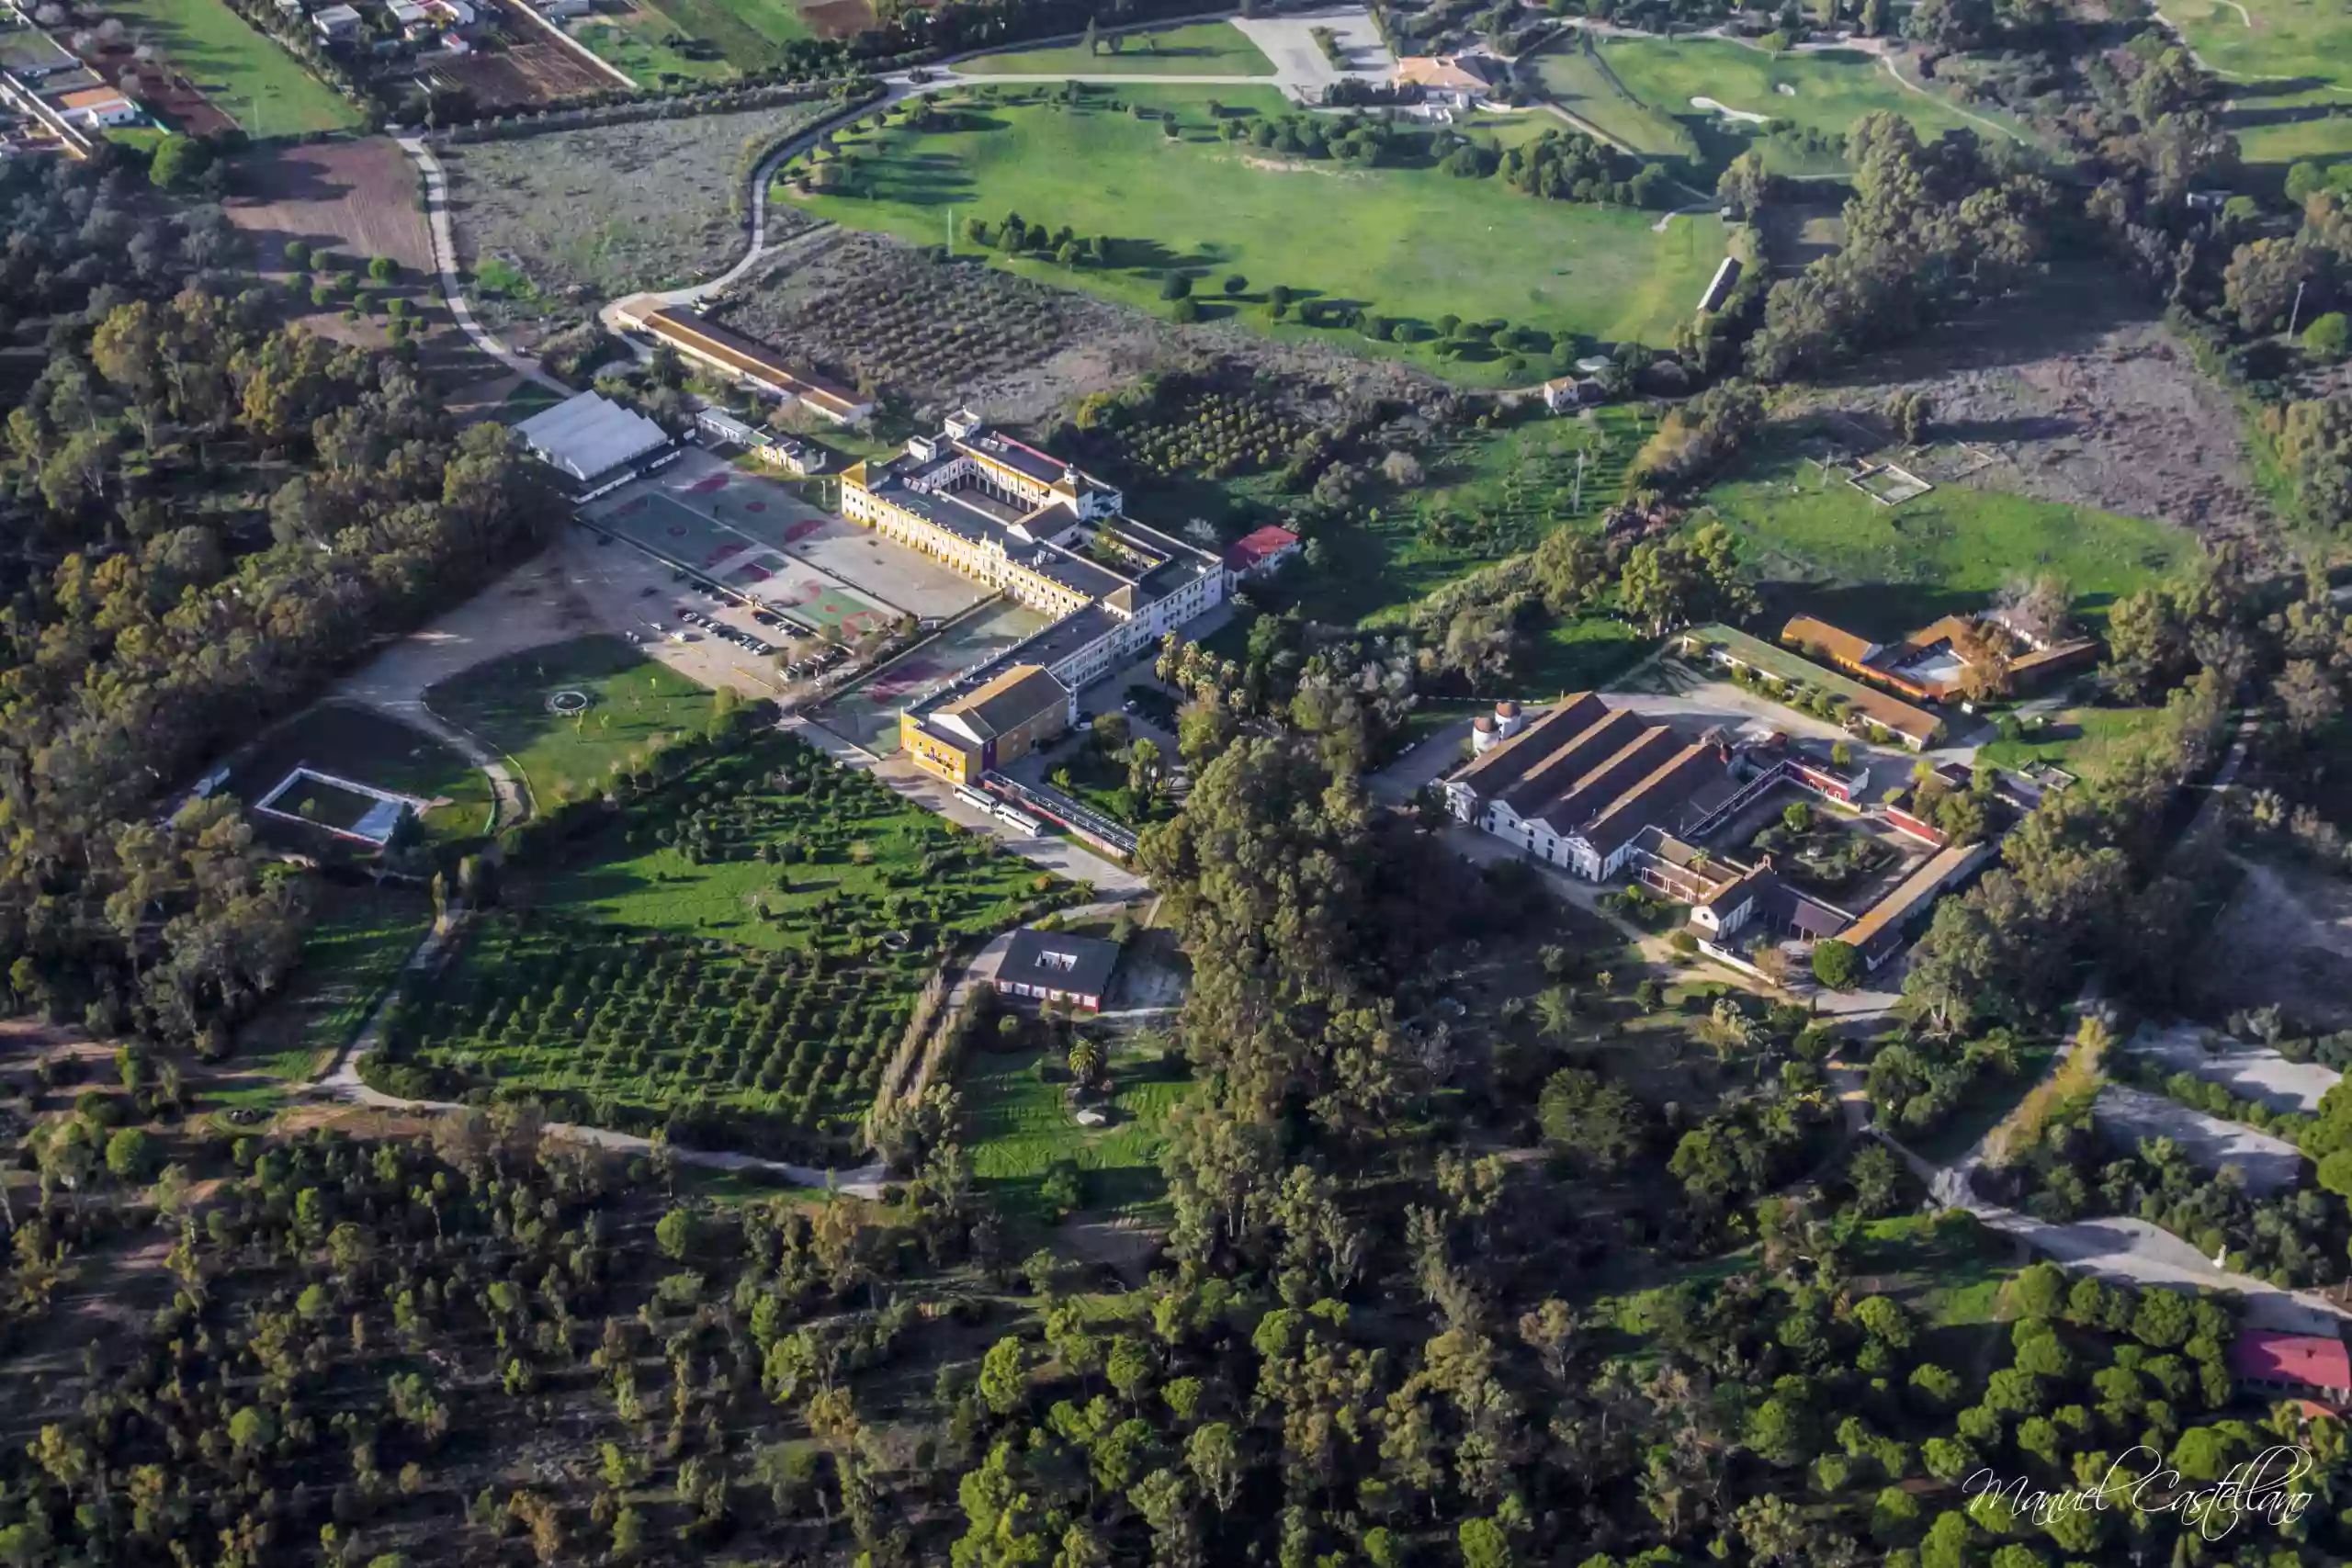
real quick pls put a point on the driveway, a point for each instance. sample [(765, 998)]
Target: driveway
[(1300, 65), (2271, 1165), (2250, 1072)]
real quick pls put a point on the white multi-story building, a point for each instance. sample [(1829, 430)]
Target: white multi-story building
[(1034, 527)]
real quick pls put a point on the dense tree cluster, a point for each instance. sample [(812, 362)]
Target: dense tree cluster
[(219, 512), (1933, 228)]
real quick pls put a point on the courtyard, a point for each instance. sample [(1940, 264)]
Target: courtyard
[(762, 539)]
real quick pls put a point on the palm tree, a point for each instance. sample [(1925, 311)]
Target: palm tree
[(1556, 1011), (1085, 1060)]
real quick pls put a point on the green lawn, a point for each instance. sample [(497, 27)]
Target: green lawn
[(2277, 128), (1409, 243), (364, 746), (1639, 90), (1586, 88), (634, 705), (1945, 1267), (2282, 39), (1202, 49), (2086, 741), (358, 940), (1825, 91), (1883, 570), (247, 75), (1017, 1127), (639, 42)]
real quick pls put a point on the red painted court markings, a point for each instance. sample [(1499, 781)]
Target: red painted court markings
[(798, 530), (756, 506), (705, 486)]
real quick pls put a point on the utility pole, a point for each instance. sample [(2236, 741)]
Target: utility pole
[(1577, 502), (2294, 317), (951, 234)]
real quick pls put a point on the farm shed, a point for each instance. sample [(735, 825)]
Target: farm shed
[(589, 436)]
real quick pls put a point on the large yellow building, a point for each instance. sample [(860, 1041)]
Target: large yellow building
[(998, 723), (1030, 525)]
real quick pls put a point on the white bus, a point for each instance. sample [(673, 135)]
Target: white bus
[(975, 800), (1012, 818)]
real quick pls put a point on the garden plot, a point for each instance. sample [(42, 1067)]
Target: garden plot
[(954, 331), (2250, 1072), (2128, 1115), (734, 955)]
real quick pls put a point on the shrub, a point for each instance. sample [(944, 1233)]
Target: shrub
[(1837, 964), (2328, 337)]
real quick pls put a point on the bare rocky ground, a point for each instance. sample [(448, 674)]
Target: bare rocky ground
[(2250, 1072), (2082, 398), (2286, 937), (594, 213), (950, 332)]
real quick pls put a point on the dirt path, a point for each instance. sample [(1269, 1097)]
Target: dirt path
[(445, 257)]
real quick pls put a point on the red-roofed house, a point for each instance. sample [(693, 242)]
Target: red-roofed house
[(1260, 552), (2293, 1365)]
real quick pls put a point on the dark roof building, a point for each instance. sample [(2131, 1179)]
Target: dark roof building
[(1580, 785), (1057, 967)]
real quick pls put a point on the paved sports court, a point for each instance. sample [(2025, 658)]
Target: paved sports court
[(758, 536)]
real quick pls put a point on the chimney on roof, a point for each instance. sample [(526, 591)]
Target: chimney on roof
[(1508, 720)]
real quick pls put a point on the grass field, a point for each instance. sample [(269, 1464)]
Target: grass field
[(1883, 570), (2287, 39), (748, 940), (1017, 1128), (364, 746), (1203, 49), (2281, 124), (1825, 91), (1486, 496), (1583, 85), (749, 33), (633, 704), (1639, 90), (1412, 243), (264, 88), (639, 42), (355, 945), (2084, 740)]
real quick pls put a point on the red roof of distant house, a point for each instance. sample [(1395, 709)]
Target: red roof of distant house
[(1255, 549), (2308, 1359)]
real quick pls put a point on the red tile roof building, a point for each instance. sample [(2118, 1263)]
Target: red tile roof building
[(2295, 1365), (1260, 551)]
